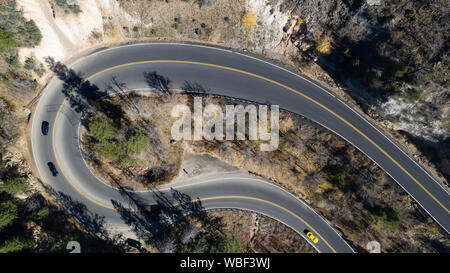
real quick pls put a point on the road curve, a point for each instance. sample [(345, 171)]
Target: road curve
[(221, 72)]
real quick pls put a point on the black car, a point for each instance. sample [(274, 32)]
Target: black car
[(52, 168), (133, 243), (44, 127)]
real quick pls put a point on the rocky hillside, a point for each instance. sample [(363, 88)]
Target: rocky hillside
[(337, 181), (391, 56)]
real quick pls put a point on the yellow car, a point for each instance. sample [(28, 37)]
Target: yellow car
[(311, 236)]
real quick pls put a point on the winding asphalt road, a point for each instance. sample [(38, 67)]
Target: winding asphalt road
[(227, 73)]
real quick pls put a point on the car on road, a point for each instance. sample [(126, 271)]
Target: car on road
[(133, 243), (45, 127), (52, 168), (311, 236)]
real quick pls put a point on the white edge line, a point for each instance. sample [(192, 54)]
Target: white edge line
[(295, 74), (187, 184), (277, 66), (389, 176)]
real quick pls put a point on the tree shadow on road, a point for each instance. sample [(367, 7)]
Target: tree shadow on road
[(83, 96), (148, 221), (94, 224), (78, 91), (158, 82), (151, 222), (194, 88)]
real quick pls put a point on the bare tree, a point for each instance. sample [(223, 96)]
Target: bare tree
[(119, 89), (189, 233), (166, 244)]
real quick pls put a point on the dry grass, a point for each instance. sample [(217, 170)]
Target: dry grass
[(301, 165), (153, 120), (255, 232)]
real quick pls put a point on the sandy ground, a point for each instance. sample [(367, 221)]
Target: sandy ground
[(202, 165), (66, 34)]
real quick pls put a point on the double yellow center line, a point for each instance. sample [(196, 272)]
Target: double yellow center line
[(249, 74)]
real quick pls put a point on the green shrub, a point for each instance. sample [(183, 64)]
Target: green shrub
[(111, 149), (29, 63), (13, 61), (137, 143), (155, 31), (347, 52), (102, 129), (15, 185), (9, 211), (386, 214), (34, 85), (376, 83), (339, 176), (33, 33), (233, 246), (128, 163), (75, 8), (17, 244), (60, 245), (15, 29), (42, 214), (199, 246), (414, 95), (67, 8), (1, 152), (400, 72), (61, 3), (213, 243), (7, 41)]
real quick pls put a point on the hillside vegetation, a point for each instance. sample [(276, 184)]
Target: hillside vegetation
[(28, 221), (390, 56), (17, 80)]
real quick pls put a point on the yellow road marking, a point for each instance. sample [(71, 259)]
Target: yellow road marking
[(281, 85), (250, 198), (242, 72), (275, 205)]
